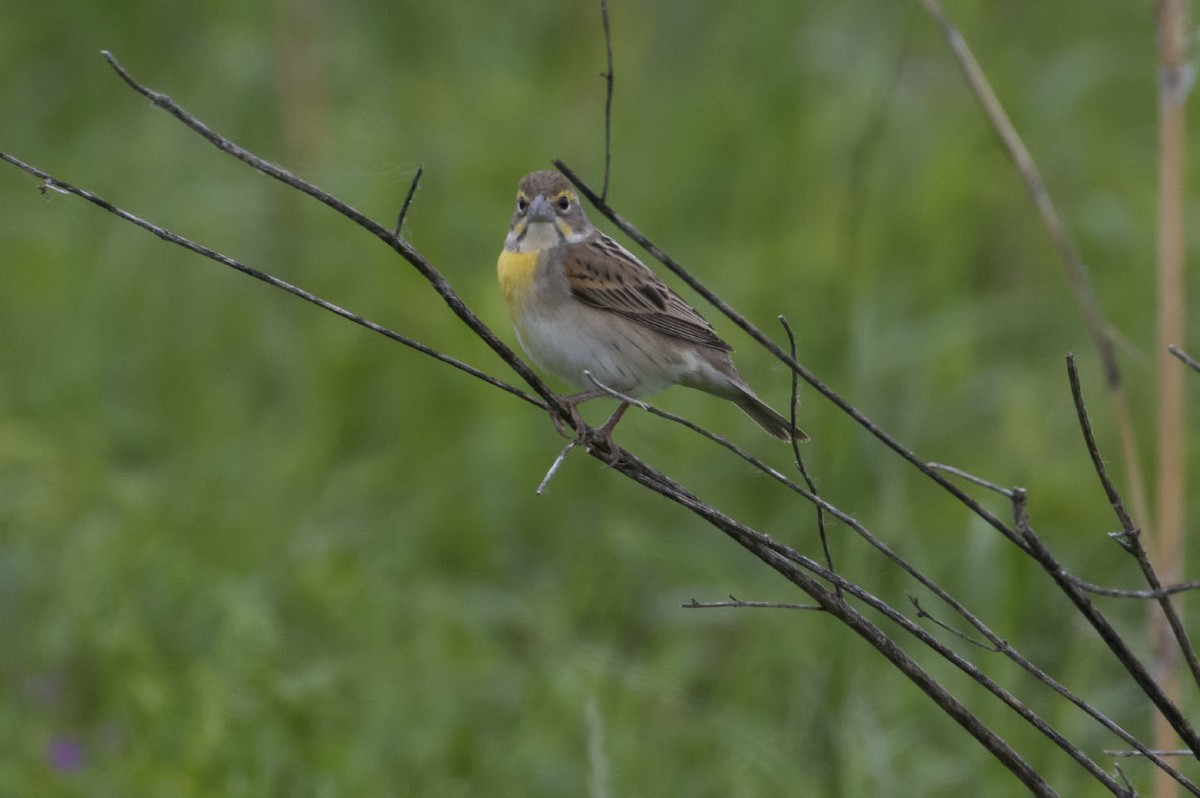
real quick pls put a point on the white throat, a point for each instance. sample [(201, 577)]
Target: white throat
[(539, 236)]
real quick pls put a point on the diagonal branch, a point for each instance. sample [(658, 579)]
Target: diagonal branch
[(1131, 538), (1068, 253), (49, 182), (808, 376), (821, 583), (1076, 270), (798, 569), (392, 239), (1025, 539), (1184, 358)]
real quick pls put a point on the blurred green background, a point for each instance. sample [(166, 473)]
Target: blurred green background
[(249, 549)]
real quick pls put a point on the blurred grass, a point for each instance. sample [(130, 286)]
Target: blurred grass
[(248, 549)]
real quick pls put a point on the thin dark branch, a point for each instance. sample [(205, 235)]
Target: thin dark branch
[(1085, 425), (805, 374), (412, 190), (608, 95), (736, 602), (798, 568), (974, 672), (921, 613), (1020, 512), (1076, 270), (1132, 664), (1131, 538), (1029, 543), (996, 642), (799, 460), (397, 243), (63, 187), (1126, 593)]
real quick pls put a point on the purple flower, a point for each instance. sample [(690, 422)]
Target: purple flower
[(65, 754)]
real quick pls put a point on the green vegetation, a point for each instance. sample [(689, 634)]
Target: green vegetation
[(249, 549)]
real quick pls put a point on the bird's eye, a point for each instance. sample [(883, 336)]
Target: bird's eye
[(564, 203), (522, 204)]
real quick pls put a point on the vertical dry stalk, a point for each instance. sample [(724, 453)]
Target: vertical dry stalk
[(1078, 278), (1167, 541)]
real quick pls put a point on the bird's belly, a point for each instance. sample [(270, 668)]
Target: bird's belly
[(620, 355)]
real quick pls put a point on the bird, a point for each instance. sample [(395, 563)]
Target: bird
[(588, 311)]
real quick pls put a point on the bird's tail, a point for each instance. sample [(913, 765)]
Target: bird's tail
[(765, 417)]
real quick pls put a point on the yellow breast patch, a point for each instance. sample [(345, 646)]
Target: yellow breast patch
[(516, 271)]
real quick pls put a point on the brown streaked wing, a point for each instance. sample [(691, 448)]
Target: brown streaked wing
[(605, 275)]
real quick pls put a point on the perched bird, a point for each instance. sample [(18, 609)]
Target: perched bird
[(580, 302)]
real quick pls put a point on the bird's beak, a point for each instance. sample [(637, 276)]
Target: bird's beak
[(540, 210)]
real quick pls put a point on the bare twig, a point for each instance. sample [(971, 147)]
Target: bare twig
[(1118, 592), (921, 613), (1123, 753), (1076, 270), (1089, 440), (398, 244), (1184, 357), (996, 643), (736, 602), (1027, 543), (558, 461), (805, 374), (412, 190), (608, 95), (61, 186), (614, 393), (1131, 534), (797, 568), (1132, 664), (980, 481), (796, 456)]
